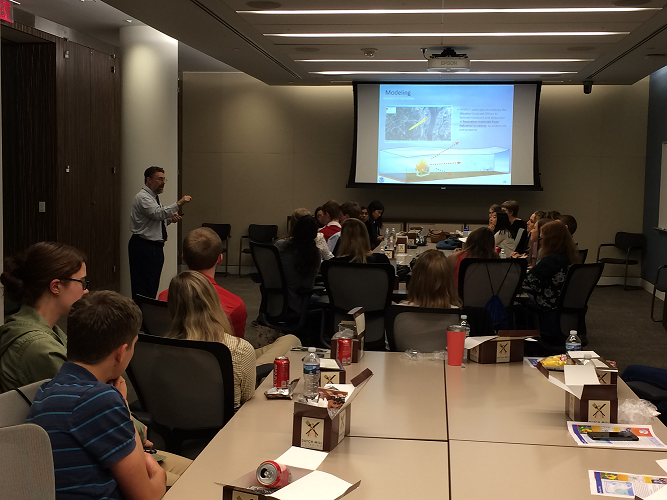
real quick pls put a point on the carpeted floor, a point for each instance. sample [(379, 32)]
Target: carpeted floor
[(619, 325)]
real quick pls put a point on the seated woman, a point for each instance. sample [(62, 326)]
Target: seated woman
[(45, 280), (300, 259), (196, 314), (321, 243), (374, 223), (432, 282), (479, 245), (502, 233), (492, 219), (354, 245), (544, 282)]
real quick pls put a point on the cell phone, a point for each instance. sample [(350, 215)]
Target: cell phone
[(613, 436)]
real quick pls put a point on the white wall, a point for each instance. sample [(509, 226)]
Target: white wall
[(252, 153), (149, 130)]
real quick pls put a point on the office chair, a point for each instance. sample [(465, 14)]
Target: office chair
[(155, 318), (258, 233), (420, 328), (225, 232), (626, 242)]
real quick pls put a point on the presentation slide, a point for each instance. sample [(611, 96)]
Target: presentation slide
[(449, 134)]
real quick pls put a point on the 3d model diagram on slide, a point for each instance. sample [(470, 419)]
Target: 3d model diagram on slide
[(462, 134)]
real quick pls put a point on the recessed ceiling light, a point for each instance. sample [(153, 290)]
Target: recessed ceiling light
[(432, 73), (307, 49), (474, 34), (422, 60), (263, 4), (553, 10)]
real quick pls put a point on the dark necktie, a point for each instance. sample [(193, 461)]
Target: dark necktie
[(163, 223)]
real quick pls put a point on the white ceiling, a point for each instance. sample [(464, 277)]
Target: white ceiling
[(243, 41)]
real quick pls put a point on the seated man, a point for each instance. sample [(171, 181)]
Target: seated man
[(96, 452), (202, 252), (511, 208), (348, 210)]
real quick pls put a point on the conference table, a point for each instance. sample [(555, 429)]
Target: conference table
[(420, 428)]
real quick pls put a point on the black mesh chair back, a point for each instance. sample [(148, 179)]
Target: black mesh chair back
[(361, 285), (222, 230), (273, 286), (420, 328), (187, 387), (522, 238), (629, 241), (262, 233), (481, 279), (583, 254), (155, 318), (573, 301)]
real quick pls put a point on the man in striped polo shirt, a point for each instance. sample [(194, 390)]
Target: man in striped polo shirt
[(96, 451)]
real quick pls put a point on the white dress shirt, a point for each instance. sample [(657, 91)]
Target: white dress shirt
[(148, 215)]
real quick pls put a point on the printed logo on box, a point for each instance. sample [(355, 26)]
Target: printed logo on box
[(401, 248), (342, 421), (242, 495), (330, 378), (503, 351), (604, 378), (599, 411), (312, 433), (474, 353)]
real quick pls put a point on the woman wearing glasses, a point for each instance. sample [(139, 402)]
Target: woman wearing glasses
[(45, 280)]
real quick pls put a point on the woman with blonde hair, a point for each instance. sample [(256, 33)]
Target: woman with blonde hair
[(432, 282), (196, 314), (355, 245)]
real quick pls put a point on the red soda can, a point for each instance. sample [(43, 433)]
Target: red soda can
[(344, 351), (281, 371), (273, 475)]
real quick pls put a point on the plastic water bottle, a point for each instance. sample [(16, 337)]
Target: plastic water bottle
[(311, 374), (466, 232), (503, 255), (393, 234), (573, 342), (466, 325), (386, 238)]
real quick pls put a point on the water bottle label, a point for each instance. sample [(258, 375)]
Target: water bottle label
[(311, 369), (573, 347)]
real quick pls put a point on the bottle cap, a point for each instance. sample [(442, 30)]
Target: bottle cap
[(573, 332), (311, 349), (464, 316)]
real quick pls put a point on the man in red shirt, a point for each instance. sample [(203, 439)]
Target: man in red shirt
[(202, 252), (331, 230)]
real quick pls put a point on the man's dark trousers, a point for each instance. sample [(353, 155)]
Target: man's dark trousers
[(146, 260)]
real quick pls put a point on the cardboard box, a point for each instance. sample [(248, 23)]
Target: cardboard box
[(331, 375), (507, 347), (358, 327), (240, 490), (313, 428), (607, 373), (586, 399), (402, 244)]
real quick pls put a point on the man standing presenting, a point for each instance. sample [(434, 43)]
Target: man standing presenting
[(148, 223)]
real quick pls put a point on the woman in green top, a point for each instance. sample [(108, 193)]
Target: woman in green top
[(46, 280)]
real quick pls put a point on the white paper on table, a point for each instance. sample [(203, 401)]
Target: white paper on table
[(329, 364), (662, 463), (325, 486), (302, 458), (577, 376), (472, 342), (582, 354), (626, 485), (560, 384)]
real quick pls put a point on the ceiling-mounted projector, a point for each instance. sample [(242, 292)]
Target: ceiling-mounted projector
[(448, 60)]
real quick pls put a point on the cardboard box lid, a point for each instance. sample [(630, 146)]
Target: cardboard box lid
[(358, 382), (517, 334), (577, 377), (359, 319)]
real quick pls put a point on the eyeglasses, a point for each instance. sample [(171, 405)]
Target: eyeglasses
[(84, 281)]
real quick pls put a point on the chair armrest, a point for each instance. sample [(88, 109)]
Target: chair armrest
[(648, 391), (245, 236), (603, 245)]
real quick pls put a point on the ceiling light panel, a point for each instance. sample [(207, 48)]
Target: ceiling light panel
[(549, 10)]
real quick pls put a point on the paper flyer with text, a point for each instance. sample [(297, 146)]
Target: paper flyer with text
[(624, 485), (647, 440)]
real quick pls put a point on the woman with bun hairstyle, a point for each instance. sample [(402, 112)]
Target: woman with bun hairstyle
[(46, 280)]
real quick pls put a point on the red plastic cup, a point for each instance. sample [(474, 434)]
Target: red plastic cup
[(456, 336)]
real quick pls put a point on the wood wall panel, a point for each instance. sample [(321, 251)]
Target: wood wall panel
[(85, 136), (29, 145)]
